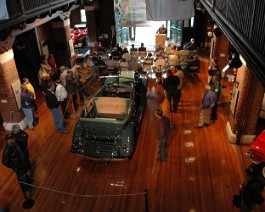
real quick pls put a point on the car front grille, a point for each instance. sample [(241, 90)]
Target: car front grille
[(100, 148)]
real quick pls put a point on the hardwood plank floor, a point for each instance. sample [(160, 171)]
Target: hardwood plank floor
[(202, 172)]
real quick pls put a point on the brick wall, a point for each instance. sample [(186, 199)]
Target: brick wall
[(8, 75), (251, 94), (220, 52)]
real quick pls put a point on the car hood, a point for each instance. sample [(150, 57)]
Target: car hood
[(257, 148)]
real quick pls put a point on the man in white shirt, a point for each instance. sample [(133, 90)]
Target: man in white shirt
[(126, 55), (160, 63), (159, 67), (64, 72), (61, 95)]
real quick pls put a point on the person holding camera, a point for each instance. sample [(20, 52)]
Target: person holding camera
[(16, 156)]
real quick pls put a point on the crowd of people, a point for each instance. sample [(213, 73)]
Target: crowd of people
[(61, 83)]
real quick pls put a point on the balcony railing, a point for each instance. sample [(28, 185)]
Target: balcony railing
[(22, 10), (242, 21)]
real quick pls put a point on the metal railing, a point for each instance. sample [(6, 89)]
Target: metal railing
[(22, 10)]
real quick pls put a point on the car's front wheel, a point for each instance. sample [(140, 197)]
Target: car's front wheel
[(262, 170)]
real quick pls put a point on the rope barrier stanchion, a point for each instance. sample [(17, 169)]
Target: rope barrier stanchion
[(28, 203), (146, 200)]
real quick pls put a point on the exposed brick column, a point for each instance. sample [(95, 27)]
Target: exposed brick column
[(220, 50), (62, 37), (241, 126), (9, 108)]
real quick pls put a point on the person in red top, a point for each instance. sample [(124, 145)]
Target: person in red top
[(163, 130), (54, 72)]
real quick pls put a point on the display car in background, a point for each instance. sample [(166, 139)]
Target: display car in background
[(78, 34), (256, 153), (110, 121)]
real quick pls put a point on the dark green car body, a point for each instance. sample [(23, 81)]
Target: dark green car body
[(110, 122)]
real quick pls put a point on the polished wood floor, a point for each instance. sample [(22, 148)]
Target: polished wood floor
[(202, 172)]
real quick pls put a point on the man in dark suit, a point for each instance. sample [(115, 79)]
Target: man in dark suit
[(162, 30), (170, 85)]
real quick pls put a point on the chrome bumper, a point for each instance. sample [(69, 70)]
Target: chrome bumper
[(252, 158)]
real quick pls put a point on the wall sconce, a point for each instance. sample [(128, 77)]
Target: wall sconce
[(209, 34)]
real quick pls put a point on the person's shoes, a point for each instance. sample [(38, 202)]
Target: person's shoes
[(63, 132), (36, 121), (206, 125), (198, 127), (67, 116)]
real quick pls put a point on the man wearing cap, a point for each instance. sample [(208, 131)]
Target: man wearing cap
[(163, 130), (21, 138), (207, 104), (14, 158)]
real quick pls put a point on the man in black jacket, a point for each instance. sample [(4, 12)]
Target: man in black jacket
[(21, 139), (14, 158), (53, 105), (170, 85)]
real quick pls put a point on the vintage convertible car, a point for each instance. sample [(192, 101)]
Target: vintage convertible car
[(256, 153), (110, 121)]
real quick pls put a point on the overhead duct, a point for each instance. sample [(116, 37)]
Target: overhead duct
[(161, 10)]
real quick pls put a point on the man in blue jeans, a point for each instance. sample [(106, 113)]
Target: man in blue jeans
[(53, 105)]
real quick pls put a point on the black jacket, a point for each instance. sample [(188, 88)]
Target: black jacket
[(51, 100), (21, 139), (13, 157), (171, 83)]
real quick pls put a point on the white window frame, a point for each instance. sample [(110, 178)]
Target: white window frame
[(83, 15)]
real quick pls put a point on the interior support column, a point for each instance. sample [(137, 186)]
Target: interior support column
[(10, 105), (91, 25), (62, 41), (245, 107), (220, 49)]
